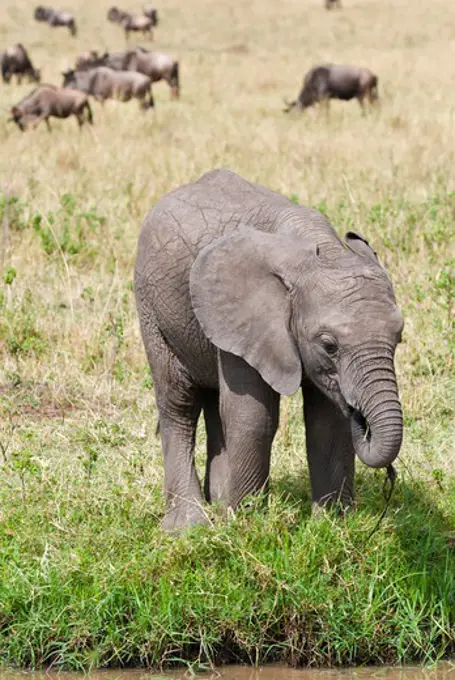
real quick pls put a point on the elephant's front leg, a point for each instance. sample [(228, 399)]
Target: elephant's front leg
[(330, 449), (249, 410)]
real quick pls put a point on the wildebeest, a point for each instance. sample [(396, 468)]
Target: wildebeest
[(16, 62), (156, 65), (116, 15), (138, 23), (152, 13), (330, 81), (105, 83), (47, 101), (55, 17), (329, 4), (131, 22), (87, 59)]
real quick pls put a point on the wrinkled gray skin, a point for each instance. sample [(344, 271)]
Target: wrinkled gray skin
[(243, 296), (16, 62), (156, 65), (47, 101), (330, 81), (105, 83), (55, 18)]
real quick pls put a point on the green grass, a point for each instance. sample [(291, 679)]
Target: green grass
[(87, 578), (98, 584)]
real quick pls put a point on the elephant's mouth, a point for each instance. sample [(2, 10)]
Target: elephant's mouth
[(361, 425)]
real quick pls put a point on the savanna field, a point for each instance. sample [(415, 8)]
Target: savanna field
[(87, 578)]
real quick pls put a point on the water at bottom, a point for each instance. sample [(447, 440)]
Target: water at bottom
[(442, 671)]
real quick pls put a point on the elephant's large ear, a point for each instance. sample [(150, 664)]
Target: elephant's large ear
[(360, 245), (244, 306)]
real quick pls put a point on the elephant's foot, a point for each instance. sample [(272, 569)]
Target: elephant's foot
[(341, 506), (184, 515)]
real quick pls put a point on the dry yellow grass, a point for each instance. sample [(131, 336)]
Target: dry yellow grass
[(238, 59)]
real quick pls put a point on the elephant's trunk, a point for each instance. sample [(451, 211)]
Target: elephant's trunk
[(377, 419)]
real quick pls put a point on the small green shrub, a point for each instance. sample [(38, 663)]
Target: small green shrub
[(69, 230), (19, 328)]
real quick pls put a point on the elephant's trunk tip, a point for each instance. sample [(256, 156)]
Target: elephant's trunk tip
[(377, 444)]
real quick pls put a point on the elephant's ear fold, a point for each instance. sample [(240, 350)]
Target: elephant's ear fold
[(360, 245), (244, 307)]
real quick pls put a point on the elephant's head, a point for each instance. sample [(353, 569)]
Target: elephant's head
[(321, 310)]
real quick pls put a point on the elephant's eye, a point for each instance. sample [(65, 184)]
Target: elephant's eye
[(329, 345)]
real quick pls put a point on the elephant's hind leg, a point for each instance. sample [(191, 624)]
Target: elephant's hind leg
[(179, 403), (249, 410), (330, 450), (216, 483)]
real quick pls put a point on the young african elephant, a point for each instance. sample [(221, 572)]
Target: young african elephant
[(330, 81), (16, 62), (47, 101), (243, 296), (105, 83), (55, 17)]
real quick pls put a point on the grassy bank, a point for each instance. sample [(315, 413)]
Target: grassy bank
[(86, 576), (90, 580)]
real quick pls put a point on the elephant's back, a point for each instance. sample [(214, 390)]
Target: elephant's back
[(173, 233), (171, 236)]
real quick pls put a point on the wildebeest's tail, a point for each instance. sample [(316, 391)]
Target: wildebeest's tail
[(89, 112), (73, 27), (5, 70), (374, 94), (174, 81)]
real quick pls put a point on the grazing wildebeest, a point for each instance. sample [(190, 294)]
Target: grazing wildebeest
[(152, 13), (47, 101), (116, 15), (131, 22), (156, 65), (105, 83), (88, 59), (16, 62), (329, 4), (138, 23), (55, 17), (330, 81)]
